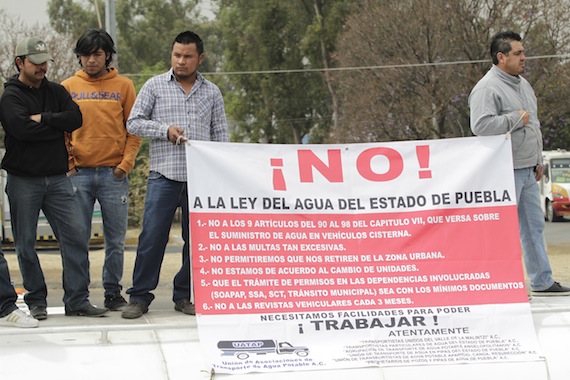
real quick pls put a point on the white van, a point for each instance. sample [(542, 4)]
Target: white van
[(555, 185)]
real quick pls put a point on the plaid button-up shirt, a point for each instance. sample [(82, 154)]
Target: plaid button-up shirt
[(162, 103)]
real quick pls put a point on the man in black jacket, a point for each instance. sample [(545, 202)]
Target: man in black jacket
[(10, 314), (36, 114)]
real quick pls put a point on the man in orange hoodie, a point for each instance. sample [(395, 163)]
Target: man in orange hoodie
[(102, 151)]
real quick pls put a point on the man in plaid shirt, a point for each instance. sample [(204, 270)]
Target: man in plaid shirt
[(171, 108)]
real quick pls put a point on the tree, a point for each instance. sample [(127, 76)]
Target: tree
[(72, 18), (426, 57), (548, 38), (275, 97), (319, 43), (14, 30), (145, 28)]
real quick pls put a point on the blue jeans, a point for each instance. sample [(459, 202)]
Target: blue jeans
[(113, 195), (53, 195), (8, 296), (163, 197), (531, 228)]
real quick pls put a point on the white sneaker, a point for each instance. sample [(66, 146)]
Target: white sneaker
[(18, 318)]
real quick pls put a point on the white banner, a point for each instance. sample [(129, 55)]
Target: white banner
[(338, 256)]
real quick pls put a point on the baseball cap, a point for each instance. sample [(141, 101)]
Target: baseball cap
[(33, 48)]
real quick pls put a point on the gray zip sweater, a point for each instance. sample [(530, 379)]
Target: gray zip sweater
[(494, 104)]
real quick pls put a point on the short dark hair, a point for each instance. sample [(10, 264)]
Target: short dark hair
[(92, 40), (501, 43), (22, 58), (187, 38)]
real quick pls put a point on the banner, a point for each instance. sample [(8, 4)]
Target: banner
[(339, 256)]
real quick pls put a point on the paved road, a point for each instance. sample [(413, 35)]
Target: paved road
[(557, 233)]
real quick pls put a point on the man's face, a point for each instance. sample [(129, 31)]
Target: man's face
[(512, 63), (185, 60), (30, 73), (94, 63)]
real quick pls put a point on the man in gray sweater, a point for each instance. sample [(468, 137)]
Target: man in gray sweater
[(504, 102)]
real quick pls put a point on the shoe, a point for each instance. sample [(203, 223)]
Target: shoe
[(39, 312), (18, 318), (134, 310), (86, 311), (185, 306), (115, 302), (555, 290)]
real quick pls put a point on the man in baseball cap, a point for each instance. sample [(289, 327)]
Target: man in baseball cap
[(36, 114), (34, 49)]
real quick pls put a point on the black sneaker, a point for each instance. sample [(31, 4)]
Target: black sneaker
[(86, 311), (115, 302), (39, 312), (555, 290), (185, 306), (134, 310)]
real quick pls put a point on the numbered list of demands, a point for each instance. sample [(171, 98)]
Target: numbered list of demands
[(272, 263)]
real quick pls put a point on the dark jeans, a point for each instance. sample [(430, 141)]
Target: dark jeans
[(53, 195), (8, 296), (163, 197)]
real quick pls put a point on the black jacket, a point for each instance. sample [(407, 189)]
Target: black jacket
[(36, 149)]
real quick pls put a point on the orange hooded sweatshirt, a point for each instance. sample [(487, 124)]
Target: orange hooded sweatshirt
[(105, 104)]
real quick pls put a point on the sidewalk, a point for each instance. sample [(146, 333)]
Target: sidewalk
[(164, 345)]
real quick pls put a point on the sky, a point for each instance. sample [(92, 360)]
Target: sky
[(30, 11), (35, 11)]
